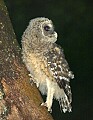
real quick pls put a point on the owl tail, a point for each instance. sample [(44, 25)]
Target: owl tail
[(65, 105)]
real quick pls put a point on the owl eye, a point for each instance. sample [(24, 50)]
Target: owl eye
[(47, 28)]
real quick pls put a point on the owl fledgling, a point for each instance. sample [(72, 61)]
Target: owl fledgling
[(46, 62)]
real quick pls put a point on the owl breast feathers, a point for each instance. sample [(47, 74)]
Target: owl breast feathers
[(46, 62)]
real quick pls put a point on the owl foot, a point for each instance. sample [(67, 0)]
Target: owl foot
[(45, 104), (31, 81), (29, 75)]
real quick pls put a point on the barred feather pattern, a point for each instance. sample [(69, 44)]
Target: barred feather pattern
[(60, 70)]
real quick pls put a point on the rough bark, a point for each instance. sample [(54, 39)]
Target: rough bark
[(19, 100)]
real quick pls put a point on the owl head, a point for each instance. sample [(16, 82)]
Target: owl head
[(41, 29)]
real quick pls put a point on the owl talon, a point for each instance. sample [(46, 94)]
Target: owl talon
[(50, 110), (31, 81), (45, 104), (37, 84), (29, 75)]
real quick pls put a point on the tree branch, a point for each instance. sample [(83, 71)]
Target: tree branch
[(19, 100)]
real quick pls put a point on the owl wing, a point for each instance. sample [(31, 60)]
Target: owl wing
[(59, 69)]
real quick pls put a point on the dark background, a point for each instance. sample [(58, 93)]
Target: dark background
[(73, 20)]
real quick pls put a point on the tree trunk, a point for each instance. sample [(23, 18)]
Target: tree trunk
[(19, 100)]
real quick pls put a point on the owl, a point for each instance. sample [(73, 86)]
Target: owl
[(46, 63)]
